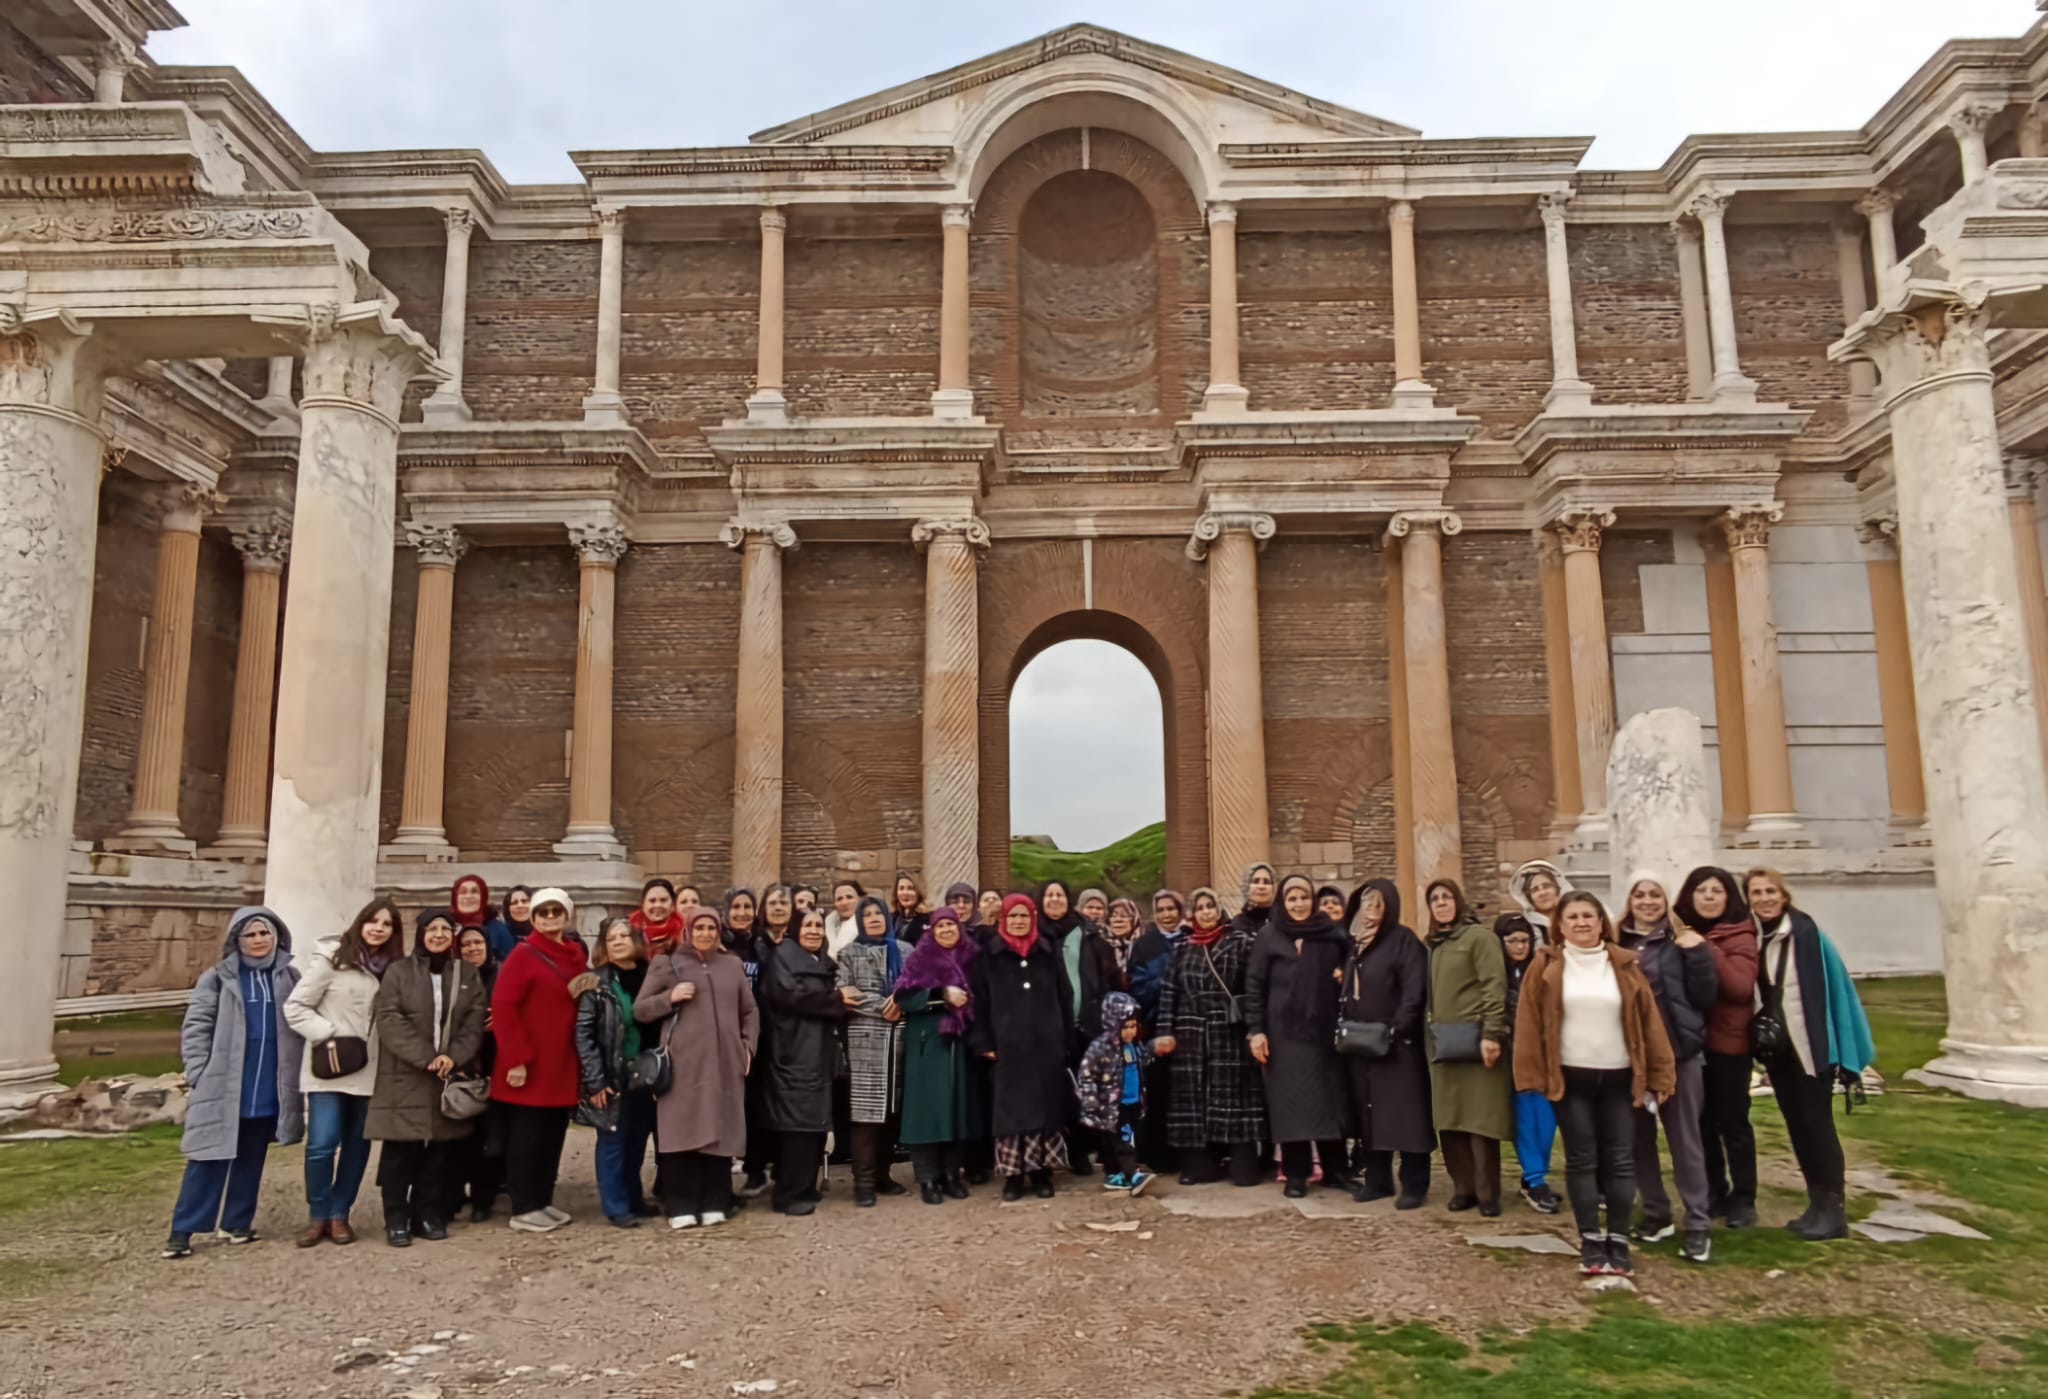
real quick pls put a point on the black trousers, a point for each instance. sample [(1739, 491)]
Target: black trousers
[(761, 1147), (1377, 1167), (533, 1154), (1205, 1163), (1473, 1163), (1596, 1117), (418, 1181), (1153, 1146), (693, 1182), (480, 1159), (842, 1122), (1809, 1107), (938, 1161), (1297, 1164), (1726, 1138), (874, 1149), (798, 1156)]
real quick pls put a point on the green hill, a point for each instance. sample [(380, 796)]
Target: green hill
[(1133, 866)]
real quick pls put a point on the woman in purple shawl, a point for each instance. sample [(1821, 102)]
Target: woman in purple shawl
[(944, 1100)]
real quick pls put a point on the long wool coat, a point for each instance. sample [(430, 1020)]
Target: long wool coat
[(802, 1013), (533, 1015), (1291, 999), (710, 1038), (1218, 1095), (1468, 981), (944, 1099), (406, 1105), (874, 1046), (1024, 1013), (1389, 983), (211, 1043)]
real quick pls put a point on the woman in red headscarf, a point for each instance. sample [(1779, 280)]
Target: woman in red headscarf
[(1024, 1020), (470, 902)]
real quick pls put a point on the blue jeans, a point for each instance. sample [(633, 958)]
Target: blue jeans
[(200, 1198), (620, 1155), (1535, 1134), (336, 1153)]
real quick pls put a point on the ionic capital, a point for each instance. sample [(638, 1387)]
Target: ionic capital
[(1879, 536), (1972, 118), (970, 530), (1878, 204), (1551, 207), (460, 222), (1750, 529), (957, 216), (1407, 522), (1708, 205), (773, 219), (2024, 472), (1578, 531), (1212, 526), (439, 546), (734, 534), (1222, 211), (182, 506), (599, 545)]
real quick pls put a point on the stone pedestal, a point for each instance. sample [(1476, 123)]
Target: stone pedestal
[(247, 785), (1434, 781), (1225, 394), (445, 407), (952, 720), (420, 835), (337, 635), (590, 835), (1987, 799), (51, 378), (1239, 828), (1578, 533), (757, 721), (1657, 792)]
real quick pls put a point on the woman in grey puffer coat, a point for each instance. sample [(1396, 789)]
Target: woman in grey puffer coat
[(242, 1070)]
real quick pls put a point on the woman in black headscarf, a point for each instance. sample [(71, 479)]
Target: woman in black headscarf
[(1092, 973), (1386, 982), (1261, 885), (1291, 987)]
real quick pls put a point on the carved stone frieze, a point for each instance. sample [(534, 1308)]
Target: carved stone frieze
[(112, 225)]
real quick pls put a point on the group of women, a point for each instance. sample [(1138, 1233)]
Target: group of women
[(1310, 1023)]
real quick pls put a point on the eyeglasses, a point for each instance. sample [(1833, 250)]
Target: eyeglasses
[(551, 911)]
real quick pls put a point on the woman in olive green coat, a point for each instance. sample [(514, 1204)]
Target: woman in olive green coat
[(945, 1107), (1473, 1103)]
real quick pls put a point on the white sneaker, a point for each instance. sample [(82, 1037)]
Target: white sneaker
[(559, 1216), (683, 1221), (535, 1222), (712, 1217)]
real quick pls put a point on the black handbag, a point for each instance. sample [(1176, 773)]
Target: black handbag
[(1768, 1037), (1365, 1039), (339, 1057), (651, 1071), (1456, 1043)]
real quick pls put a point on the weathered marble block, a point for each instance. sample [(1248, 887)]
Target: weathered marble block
[(1657, 793)]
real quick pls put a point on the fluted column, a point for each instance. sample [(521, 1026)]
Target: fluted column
[(421, 834), (245, 791), (1578, 535), (1773, 818), (954, 399), (51, 378), (1240, 828), (757, 726), (599, 547), (1438, 846), (1968, 124), (767, 404), (1904, 781), (1409, 388), (952, 720), (1557, 666), (1731, 385), (1692, 313), (1731, 722), (152, 826), (1226, 392), (1855, 301), (1567, 389), (604, 406), (1397, 717), (1876, 208), (445, 407), (2023, 476)]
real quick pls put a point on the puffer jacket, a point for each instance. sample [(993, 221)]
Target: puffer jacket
[(1684, 982), (1100, 1081)]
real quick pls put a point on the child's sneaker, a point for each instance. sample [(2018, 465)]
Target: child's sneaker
[(1138, 1181), (1116, 1182)]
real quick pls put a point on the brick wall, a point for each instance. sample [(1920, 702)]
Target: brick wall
[(1088, 285), (1630, 326), (1485, 323), (530, 338), (28, 74), (862, 325), (1788, 310), (1315, 319), (413, 275), (690, 321)]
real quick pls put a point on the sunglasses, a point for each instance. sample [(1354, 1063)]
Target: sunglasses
[(551, 911)]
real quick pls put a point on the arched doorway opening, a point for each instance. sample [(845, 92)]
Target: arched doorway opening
[(1088, 767)]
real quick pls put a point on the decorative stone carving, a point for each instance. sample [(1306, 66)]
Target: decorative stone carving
[(1972, 119), (1579, 530), (1657, 791), (1210, 527), (357, 364), (957, 216), (733, 533), (112, 225), (1406, 522), (602, 544), (1551, 208), (264, 547), (459, 220), (1879, 536), (82, 123), (609, 218), (774, 219), (184, 505), (438, 546), (2024, 473), (1750, 529), (974, 530), (1709, 204), (1878, 204), (1222, 211)]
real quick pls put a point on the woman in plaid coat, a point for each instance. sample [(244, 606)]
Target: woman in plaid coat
[(1218, 1104)]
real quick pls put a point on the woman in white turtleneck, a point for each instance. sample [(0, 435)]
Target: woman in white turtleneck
[(1588, 1037)]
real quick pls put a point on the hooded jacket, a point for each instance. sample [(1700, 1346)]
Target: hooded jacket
[(1518, 885), (224, 1062), (1100, 1082)]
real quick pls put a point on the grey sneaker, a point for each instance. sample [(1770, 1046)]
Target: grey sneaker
[(535, 1222), (1592, 1255), (559, 1216), (1653, 1231), (1698, 1246), (1541, 1198)]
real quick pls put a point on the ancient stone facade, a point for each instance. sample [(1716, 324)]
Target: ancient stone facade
[(699, 520)]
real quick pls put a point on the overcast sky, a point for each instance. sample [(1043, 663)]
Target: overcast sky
[(527, 80)]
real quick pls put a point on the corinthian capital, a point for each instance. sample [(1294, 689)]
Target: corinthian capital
[(1879, 536), (460, 222), (1972, 118), (1751, 529), (967, 527), (602, 545), (735, 533), (264, 546), (1878, 204), (439, 546), (184, 505), (1211, 527), (1407, 522), (1552, 207), (2024, 472), (1578, 531), (1708, 205)]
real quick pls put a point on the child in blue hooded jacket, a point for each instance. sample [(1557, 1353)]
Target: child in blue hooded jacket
[(1111, 1086)]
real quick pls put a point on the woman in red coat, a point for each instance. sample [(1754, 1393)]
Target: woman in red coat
[(536, 1078)]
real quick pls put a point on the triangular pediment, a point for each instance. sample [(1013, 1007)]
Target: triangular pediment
[(892, 116)]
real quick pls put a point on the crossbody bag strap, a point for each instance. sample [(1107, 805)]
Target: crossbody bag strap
[(1221, 984), (447, 1034)]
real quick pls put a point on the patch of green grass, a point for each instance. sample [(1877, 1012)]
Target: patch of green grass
[(73, 1068), (1132, 867), (39, 1175)]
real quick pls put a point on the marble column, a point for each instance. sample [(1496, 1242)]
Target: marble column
[(954, 399), (590, 836), (1849, 265), (1240, 829), (1410, 390), (952, 719), (1730, 385), (1569, 797), (757, 721), (1397, 716), (1692, 311), (152, 826), (1773, 819), (1902, 772), (264, 549), (445, 407), (1968, 124), (111, 61), (604, 407), (1567, 389), (1876, 208), (51, 378), (1578, 536), (277, 394), (421, 834), (1987, 799), (767, 404), (2023, 476), (1731, 724), (1226, 392), (1438, 849), (332, 669)]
